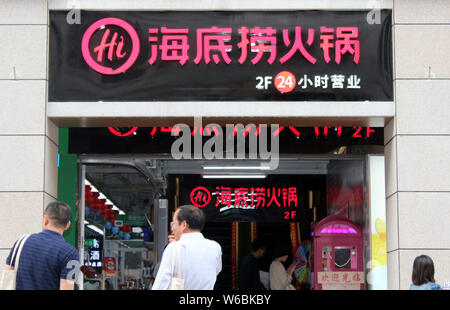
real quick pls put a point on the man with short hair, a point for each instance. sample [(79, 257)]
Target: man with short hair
[(249, 278), (201, 259), (47, 259)]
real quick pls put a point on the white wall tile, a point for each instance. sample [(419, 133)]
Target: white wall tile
[(392, 223), (423, 163), (393, 270), (22, 107), (22, 159), (47, 200), (23, 12), (3, 255), (423, 106), (390, 130), (52, 131), (424, 220), (390, 157), (51, 168), (420, 11), (219, 4), (24, 52), (21, 214), (422, 51)]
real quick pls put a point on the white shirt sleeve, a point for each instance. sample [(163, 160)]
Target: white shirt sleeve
[(164, 275), (219, 260)]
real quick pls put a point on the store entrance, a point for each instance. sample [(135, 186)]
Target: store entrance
[(129, 203)]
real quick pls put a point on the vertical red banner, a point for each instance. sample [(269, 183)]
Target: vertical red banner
[(294, 240), (233, 255), (254, 230)]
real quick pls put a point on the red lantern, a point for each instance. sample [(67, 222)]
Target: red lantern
[(100, 205), (110, 215), (89, 198), (95, 205)]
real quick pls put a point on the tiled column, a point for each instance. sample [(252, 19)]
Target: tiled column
[(417, 141), (29, 151)]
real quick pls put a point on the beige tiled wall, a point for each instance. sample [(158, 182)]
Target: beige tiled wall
[(23, 52), (418, 141), (421, 12), (23, 12), (22, 111), (28, 142), (21, 214), (424, 219), (392, 222), (423, 106), (393, 270), (390, 153), (423, 162), (427, 47)]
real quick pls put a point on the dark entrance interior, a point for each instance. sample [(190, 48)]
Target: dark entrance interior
[(273, 224)]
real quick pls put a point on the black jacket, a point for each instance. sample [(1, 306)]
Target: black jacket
[(249, 274)]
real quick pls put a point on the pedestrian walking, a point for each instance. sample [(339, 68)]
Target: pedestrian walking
[(249, 277), (46, 260), (423, 274), (190, 256)]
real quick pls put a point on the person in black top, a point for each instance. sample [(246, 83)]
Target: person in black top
[(249, 271)]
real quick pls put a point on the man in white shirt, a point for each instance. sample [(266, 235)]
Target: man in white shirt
[(201, 259)]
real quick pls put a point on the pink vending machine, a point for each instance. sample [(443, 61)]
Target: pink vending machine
[(338, 254)]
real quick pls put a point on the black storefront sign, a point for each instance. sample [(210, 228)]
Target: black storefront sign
[(276, 199), (159, 140), (220, 56)]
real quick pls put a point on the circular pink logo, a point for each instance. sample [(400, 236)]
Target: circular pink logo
[(113, 46), (123, 131), (200, 196)]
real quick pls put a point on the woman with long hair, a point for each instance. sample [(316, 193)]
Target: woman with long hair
[(280, 278), (423, 274)]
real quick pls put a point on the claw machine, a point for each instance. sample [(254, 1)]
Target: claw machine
[(338, 254)]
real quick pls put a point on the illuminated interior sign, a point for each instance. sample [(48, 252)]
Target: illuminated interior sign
[(338, 229), (358, 132), (159, 140), (227, 197), (227, 55), (274, 199)]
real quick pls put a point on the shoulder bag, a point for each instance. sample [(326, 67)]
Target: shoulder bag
[(9, 276), (176, 283)]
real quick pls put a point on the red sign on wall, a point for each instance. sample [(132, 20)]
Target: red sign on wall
[(246, 197), (220, 55)]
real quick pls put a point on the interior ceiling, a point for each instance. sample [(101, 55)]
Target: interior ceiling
[(126, 187), (133, 190)]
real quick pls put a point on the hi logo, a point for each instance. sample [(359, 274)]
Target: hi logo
[(112, 35)]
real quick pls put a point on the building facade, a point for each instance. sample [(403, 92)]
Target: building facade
[(417, 133)]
